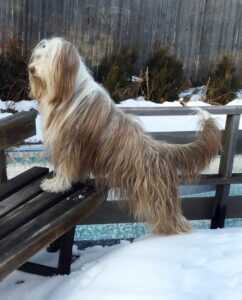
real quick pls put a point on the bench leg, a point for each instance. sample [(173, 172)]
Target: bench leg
[(54, 246), (65, 243), (65, 255)]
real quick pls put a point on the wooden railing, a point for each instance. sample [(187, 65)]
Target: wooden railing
[(216, 208), (13, 131), (16, 128)]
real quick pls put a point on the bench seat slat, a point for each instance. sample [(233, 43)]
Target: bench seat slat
[(28, 211), (18, 199), (13, 185), (21, 244)]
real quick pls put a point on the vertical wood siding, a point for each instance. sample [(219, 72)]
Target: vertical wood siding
[(198, 31)]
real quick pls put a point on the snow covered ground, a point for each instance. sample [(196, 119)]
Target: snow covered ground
[(203, 265)]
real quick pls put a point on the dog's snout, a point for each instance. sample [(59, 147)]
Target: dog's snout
[(32, 69)]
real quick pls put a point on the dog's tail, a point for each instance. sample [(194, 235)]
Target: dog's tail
[(191, 159)]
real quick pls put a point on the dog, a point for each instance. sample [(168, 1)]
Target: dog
[(86, 133)]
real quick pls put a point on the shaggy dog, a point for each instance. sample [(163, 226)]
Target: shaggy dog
[(86, 133)]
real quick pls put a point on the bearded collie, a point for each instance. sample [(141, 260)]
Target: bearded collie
[(86, 133)]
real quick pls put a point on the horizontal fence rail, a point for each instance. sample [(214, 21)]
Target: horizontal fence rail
[(14, 130), (182, 111), (215, 208)]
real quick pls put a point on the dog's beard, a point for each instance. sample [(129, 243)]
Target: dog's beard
[(37, 87)]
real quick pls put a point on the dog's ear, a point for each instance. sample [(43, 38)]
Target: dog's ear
[(64, 73)]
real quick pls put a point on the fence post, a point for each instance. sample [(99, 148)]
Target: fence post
[(230, 140), (3, 169)]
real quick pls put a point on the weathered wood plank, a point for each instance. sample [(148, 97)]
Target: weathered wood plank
[(182, 111), (11, 186), (194, 208), (112, 212), (33, 207), (10, 134), (3, 167), (234, 209), (199, 38), (20, 245), (11, 203), (236, 178), (230, 139)]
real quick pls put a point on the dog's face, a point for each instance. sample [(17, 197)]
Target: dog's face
[(39, 57), (53, 69)]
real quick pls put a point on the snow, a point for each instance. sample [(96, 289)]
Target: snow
[(206, 264), (24, 105), (141, 102), (238, 94), (39, 136), (197, 103), (4, 115), (236, 102), (194, 94)]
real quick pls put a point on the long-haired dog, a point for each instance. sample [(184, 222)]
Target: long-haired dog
[(86, 133)]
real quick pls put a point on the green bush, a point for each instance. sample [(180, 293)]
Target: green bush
[(115, 73), (222, 83), (13, 73), (164, 76)]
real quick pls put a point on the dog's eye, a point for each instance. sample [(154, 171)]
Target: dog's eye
[(43, 46)]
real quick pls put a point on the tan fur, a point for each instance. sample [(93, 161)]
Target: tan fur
[(96, 137), (63, 79)]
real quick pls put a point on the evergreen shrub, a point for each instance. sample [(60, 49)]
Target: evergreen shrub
[(222, 83)]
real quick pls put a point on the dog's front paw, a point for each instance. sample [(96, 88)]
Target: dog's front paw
[(55, 185)]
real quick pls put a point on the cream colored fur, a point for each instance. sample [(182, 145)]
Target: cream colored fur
[(85, 132)]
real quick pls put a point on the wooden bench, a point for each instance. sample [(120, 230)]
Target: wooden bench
[(31, 219)]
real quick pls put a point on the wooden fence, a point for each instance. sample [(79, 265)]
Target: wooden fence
[(198, 31), (216, 208)]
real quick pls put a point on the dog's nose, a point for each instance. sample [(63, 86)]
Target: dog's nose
[(31, 69)]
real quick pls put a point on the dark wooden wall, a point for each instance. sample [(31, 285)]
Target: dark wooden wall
[(198, 31)]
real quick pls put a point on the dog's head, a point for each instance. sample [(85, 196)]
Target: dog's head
[(52, 70)]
